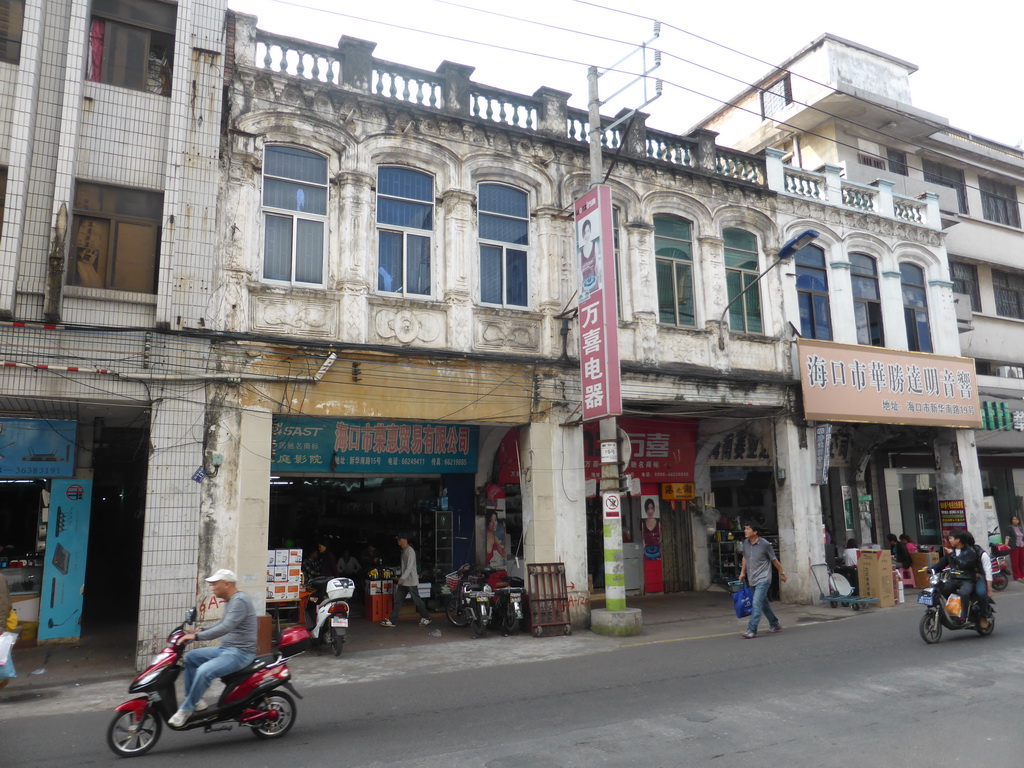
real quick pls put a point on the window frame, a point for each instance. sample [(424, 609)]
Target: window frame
[(3, 196), (776, 101), (916, 316), (896, 161), (296, 216), (967, 285), (749, 278), (135, 72), (10, 45), (812, 297), (116, 221), (999, 202), (509, 250), (1008, 285), (947, 176), (869, 307), (676, 265), (405, 232)]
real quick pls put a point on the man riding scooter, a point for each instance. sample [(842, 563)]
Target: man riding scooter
[(237, 649), (962, 559)]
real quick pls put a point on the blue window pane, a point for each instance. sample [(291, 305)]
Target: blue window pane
[(309, 252), (503, 229), (811, 279), (295, 197), (291, 163), (672, 228), (418, 266), (490, 274), (806, 315), (924, 336), (752, 300), (277, 248), (497, 198), (389, 262), (913, 296), (666, 293), (516, 278), (910, 273), (810, 256), (862, 265), (401, 213), (734, 284), (402, 182), (865, 288), (822, 321)]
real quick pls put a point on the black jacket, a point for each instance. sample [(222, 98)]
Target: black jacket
[(964, 560)]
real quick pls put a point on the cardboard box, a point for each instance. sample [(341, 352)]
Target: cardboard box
[(921, 560), (271, 558), (280, 574), (295, 573), (291, 591), (281, 557), (295, 557), (875, 576)]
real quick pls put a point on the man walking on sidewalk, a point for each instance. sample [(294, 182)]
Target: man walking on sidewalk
[(408, 584), (758, 559)]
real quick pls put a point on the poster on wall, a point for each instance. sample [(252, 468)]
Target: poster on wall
[(37, 448), (67, 543), (952, 516), (495, 543), (650, 530)]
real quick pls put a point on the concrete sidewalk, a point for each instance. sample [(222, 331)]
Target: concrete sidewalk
[(95, 672)]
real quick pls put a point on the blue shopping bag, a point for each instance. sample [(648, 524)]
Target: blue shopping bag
[(743, 602)]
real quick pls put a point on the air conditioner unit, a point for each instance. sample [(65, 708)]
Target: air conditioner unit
[(962, 303)]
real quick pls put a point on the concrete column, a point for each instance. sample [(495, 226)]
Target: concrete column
[(554, 509), (774, 170), (959, 477), (799, 510)]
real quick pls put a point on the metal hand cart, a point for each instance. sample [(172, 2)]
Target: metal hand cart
[(823, 574)]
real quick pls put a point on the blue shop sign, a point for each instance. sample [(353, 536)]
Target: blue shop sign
[(37, 448), (304, 444)]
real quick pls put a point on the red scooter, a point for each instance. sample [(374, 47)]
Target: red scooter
[(251, 696)]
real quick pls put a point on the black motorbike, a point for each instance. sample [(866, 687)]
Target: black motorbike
[(943, 608), (482, 597)]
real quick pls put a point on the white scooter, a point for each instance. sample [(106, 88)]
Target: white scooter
[(327, 611)]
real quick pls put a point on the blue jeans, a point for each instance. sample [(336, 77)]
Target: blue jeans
[(761, 606), (981, 590), (204, 665)]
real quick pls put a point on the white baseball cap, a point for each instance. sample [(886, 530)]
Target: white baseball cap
[(222, 575)]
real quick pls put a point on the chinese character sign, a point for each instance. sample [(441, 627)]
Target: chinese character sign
[(599, 340), (303, 444), (661, 450), (848, 382)]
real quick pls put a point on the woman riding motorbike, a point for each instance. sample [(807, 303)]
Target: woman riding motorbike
[(963, 561)]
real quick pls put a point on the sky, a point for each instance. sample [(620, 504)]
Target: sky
[(711, 51)]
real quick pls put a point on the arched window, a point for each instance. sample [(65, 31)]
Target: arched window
[(504, 227), (812, 293), (741, 271), (294, 215), (673, 263), (867, 302), (915, 308), (405, 224)]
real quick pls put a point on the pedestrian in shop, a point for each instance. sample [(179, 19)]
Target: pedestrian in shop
[(237, 649), (348, 565), (1014, 539), (911, 546), (758, 560), (408, 584), (899, 551), (328, 562), (850, 554), (312, 565)]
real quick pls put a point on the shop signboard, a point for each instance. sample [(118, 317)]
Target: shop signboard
[(822, 452), (952, 516), (306, 444), (874, 385), (598, 314), (67, 542), (37, 448), (660, 450)]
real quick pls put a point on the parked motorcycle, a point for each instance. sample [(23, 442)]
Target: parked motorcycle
[(483, 597), (327, 611), (1000, 566), (943, 609), (251, 696)]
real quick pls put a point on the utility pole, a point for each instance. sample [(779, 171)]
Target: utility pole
[(615, 619)]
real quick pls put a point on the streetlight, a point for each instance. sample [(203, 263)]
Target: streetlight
[(787, 251)]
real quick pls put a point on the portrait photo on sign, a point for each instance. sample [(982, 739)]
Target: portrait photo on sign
[(650, 527), (588, 248)]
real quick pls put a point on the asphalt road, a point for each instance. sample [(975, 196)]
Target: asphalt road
[(863, 690)]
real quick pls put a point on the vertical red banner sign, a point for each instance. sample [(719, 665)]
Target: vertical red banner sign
[(598, 320)]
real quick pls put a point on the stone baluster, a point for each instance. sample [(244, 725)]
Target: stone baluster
[(885, 203), (706, 159)]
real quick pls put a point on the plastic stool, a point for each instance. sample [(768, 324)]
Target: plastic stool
[(907, 577)]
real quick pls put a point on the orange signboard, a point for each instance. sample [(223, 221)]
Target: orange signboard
[(875, 385)]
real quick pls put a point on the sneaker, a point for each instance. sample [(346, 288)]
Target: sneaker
[(776, 628), (424, 622), (201, 705), (387, 623), (179, 718), (749, 635)]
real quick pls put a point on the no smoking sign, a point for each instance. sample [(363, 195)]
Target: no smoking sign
[(612, 504)]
